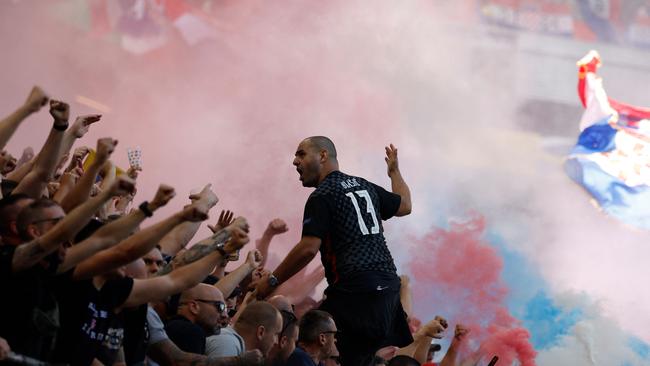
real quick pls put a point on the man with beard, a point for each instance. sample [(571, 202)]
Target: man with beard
[(342, 220)]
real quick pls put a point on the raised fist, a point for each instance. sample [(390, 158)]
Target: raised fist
[(105, 147), (277, 226), (60, 111), (164, 194), (36, 99), (122, 186)]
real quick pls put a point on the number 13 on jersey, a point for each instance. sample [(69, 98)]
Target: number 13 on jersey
[(369, 207)]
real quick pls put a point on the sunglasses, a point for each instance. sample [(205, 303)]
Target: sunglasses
[(288, 318), (54, 220), (219, 305)]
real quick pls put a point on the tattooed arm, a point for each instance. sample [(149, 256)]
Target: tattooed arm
[(166, 353), (197, 251), (178, 238)]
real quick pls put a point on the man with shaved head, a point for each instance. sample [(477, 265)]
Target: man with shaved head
[(257, 327), (343, 220), (200, 310)]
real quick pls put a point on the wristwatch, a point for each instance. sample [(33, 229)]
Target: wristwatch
[(273, 281), (220, 248)]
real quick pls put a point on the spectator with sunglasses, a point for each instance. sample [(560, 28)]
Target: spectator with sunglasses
[(316, 340), (279, 354), (201, 310)]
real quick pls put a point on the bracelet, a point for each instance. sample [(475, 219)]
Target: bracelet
[(61, 127), (144, 207)]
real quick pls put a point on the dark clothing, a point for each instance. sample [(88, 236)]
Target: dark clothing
[(90, 327), (346, 213), (368, 321), (188, 336), (300, 358), (29, 313), (136, 335)]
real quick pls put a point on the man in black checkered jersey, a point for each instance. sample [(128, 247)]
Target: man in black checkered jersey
[(342, 220)]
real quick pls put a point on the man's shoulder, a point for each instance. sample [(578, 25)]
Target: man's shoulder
[(179, 324), (227, 343), (299, 358), (339, 182)]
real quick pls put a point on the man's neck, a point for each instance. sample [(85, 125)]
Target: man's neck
[(325, 173), (187, 315)]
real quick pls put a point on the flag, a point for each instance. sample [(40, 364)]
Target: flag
[(611, 159)]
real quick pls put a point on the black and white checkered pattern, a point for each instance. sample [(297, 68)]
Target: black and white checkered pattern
[(348, 250)]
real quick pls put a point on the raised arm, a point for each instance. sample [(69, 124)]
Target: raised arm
[(9, 124), (460, 333), (27, 255), (398, 184), (77, 130), (296, 260), (48, 158), (178, 238), (161, 287), (167, 353), (422, 339), (275, 227), (137, 244), (111, 233), (228, 283), (81, 191), (204, 247)]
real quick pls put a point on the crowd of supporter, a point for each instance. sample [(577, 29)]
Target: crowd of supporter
[(88, 282)]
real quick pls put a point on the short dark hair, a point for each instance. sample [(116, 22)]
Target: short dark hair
[(324, 143), (30, 213), (312, 324), (402, 360), (7, 187), (7, 211)]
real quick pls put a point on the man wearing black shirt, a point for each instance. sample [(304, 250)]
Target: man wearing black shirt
[(342, 220), (200, 310)]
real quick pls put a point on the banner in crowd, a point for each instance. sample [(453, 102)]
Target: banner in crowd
[(611, 159), (142, 26), (624, 22)]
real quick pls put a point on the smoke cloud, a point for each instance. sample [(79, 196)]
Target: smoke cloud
[(231, 111)]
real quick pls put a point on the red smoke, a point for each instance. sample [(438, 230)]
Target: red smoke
[(458, 275)]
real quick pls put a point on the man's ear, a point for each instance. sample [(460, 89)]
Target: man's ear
[(13, 227), (283, 341), (33, 231), (322, 340), (323, 156), (194, 308), (260, 332)]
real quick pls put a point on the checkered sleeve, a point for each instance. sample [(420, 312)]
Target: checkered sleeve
[(317, 217), (388, 202)]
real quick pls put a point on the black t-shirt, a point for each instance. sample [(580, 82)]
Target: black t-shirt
[(29, 315), (188, 336), (346, 213), (90, 327), (136, 335)]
